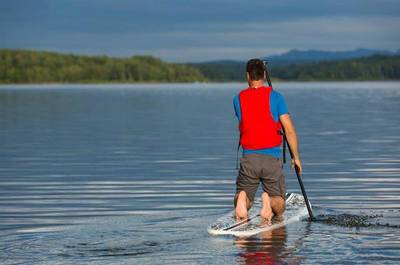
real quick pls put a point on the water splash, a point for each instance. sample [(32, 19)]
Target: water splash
[(353, 220)]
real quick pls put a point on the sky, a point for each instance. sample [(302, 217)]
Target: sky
[(198, 30)]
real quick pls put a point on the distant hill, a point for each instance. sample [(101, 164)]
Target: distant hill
[(21, 66), (304, 56)]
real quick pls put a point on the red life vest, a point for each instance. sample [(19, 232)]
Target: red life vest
[(258, 129)]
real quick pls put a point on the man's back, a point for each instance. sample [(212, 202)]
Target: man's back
[(277, 107)]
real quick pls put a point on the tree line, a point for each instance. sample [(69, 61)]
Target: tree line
[(22, 66)]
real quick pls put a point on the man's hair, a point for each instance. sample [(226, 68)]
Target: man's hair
[(255, 68)]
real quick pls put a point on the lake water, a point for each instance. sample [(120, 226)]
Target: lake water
[(134, 174)]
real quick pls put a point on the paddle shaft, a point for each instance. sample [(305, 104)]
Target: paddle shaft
[(266, 74), (303, 190), (304, 193), (241, 222)]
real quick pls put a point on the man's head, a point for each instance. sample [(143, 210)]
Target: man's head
[(255, 70)]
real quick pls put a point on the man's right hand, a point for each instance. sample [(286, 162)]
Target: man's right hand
[(297, 163)]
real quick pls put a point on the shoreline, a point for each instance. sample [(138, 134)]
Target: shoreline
[(196, 83)]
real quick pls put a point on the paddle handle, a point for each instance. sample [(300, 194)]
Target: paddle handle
[(267, 74)]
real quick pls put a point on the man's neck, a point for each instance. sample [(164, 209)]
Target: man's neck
[(256, 84)]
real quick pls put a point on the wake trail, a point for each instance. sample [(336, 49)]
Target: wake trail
[(353, 220)]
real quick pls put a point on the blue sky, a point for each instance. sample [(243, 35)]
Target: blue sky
[(190, 30)]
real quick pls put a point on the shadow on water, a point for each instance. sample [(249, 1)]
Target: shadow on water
[(100, 250), (123, 248)]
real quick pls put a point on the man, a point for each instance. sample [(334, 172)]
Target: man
[(262, 114)]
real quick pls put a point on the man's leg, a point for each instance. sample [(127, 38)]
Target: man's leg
[(266, 210), (246, 186), (272, 205), (242, 205), (278, 206), (273, 182)]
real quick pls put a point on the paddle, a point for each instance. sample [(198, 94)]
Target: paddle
[(266, 73), (291, 155), (241, 222), (303, 191)]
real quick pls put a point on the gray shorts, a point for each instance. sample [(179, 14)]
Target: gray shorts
[(267, 169)]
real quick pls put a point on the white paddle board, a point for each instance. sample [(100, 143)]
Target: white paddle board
[(226, 225)]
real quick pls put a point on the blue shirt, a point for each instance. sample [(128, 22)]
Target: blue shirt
[(278, 107)]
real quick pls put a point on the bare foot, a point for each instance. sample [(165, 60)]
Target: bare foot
[(241, 207), (266, 211)]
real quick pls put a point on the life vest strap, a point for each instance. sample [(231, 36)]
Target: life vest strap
[(283, 147), (237, 155)]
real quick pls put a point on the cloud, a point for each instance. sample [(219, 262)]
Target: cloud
[(183, 30)]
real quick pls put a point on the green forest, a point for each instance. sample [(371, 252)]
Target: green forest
[(21, 66), (17, 66), (376, 67)]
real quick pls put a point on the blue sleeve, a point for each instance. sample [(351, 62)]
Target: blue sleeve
[(236, 105), (281, 104), (278, 105)]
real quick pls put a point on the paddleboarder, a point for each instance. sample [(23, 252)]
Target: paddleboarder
[(263, 115)]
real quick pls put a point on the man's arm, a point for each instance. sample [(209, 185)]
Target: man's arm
[(291, 137)]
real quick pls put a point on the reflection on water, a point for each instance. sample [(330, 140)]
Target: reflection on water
[(273, 247), (264, 248), (136, 173)]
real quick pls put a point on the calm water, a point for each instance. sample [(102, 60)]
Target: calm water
[(134, 174)]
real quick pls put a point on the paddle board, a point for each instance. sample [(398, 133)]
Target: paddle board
[(227, 225)]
